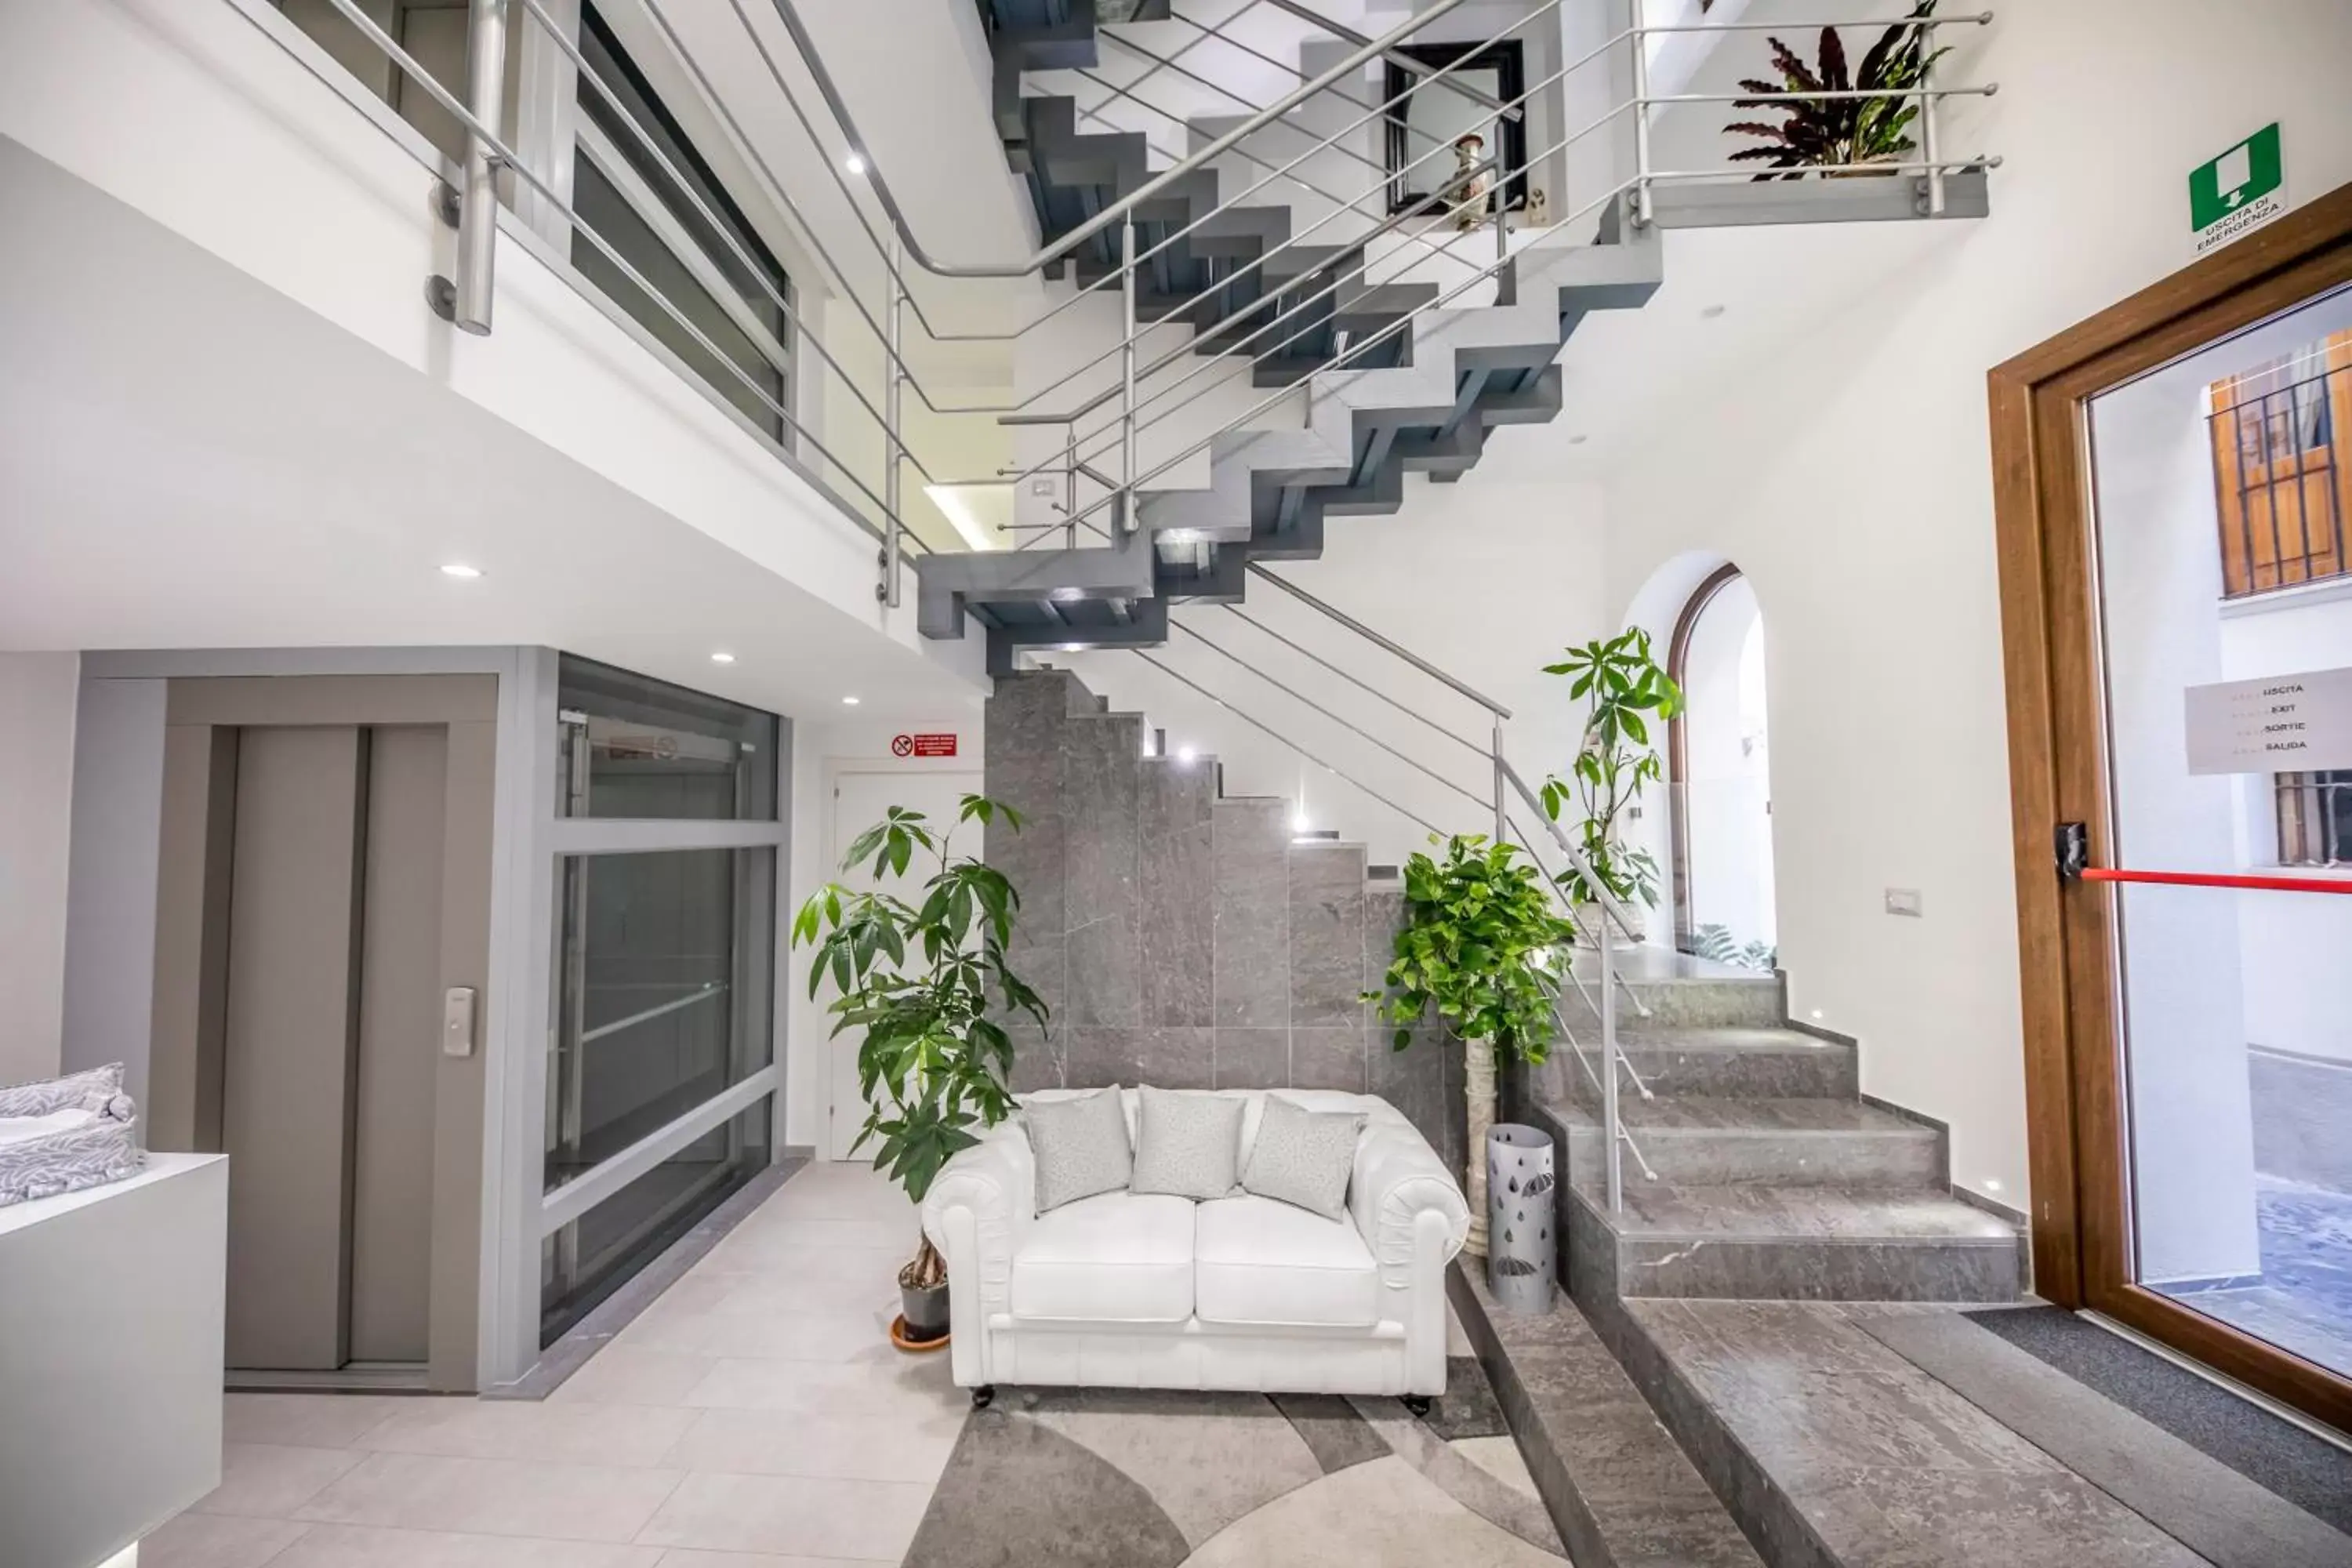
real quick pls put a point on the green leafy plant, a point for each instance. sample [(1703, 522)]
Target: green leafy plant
[(1479, 947), (1624, 689), (917, 977), (1714, 940), (1816, 132)]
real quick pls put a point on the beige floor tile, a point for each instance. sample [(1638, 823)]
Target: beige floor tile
[(371, 1546), (882, 1382), (790, 1515), (217, 1540), (899, 1446), (306, 1420), (495, 1497), (897, 1234), (270, 1480), (590, 1434), (1499, 1458), (807, 1333), (686, 1557), (840, 1189), (789, 1250), (629, 1374)]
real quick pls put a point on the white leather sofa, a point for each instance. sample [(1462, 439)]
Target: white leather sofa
[(1144, 1291)]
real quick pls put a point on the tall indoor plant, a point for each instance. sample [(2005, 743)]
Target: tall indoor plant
[(917, 977), (1839, 132), (1481, 948), (1623, 689)]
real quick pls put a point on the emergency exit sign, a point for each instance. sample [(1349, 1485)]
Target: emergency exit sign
[(2238, 192)]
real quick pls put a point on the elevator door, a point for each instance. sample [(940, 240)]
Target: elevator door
[(330, 1037)]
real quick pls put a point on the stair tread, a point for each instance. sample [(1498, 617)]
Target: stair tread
[(1749, 1212), (1730, 1038), (1671, 1114)]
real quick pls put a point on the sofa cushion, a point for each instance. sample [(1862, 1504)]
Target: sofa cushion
[(1260, 1261), (1304, 1157), (1080, 1146), (1122, 1257), (1188, 1144)]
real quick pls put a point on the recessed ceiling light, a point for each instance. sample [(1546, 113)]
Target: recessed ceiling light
[(1709, 312), (849, 702), (1074, 648), (1578, 440), (459, 569), (853, 164), (723, 658)]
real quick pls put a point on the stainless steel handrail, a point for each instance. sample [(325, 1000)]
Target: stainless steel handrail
[(1349, 676), (1342, 617), (1405, 63)]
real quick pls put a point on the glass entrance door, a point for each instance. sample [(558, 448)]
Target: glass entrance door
[(2220, 513)]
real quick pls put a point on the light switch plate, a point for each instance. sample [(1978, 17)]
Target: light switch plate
[(1044, 486), (1904, 901), (458, 1021)]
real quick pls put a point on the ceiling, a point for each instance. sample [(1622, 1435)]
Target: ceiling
[(191, 459)]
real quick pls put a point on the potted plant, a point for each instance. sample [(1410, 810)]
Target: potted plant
[(1623, 689), (1839, 132), (1480, 948), (917, 978)]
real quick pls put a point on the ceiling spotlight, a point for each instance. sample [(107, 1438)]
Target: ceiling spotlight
[(723, 658), (1074, 648), (855, 164), (1709, 312), (1186, 754), (849, 702), (459, 569), (1578, 440)]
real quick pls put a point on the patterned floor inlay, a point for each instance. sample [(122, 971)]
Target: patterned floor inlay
[(1156, 1480)]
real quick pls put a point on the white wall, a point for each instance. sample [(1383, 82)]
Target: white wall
[(37, 748), (823, 746), (1844, 466)]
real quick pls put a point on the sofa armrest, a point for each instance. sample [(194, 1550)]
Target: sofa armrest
[(980, 1205), (1398, 1178)]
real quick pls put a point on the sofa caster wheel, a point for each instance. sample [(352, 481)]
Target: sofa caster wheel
[(1418, 1404), (983, 1396)]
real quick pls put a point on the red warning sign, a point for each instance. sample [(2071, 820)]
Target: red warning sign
[(923, 745)]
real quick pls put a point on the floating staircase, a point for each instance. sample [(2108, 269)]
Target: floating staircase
[(1423, 398)]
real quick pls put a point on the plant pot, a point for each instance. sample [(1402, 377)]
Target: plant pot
[(926, 1319)]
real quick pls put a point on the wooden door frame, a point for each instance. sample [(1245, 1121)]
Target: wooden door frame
[(2042, 522)]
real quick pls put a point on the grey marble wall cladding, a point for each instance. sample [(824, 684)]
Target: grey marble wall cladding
[(1253, 1058), (1252, 932), (1326, 935), (1179, 1055), (1102, 844), (2301, 1108), (1176, 874)]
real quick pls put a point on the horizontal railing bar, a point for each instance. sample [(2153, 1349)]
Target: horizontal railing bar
[(1403, 62), (1977, 20), (1220, 649), (709, 990), (1116, 211), (1822, 95), (1576, 862), (1342, 618), (1615, 971), (1287, 743), (1329, 144), (507, 158)]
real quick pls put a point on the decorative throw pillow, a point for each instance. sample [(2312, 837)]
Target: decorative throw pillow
[(1304, 1157), (1188, 1143), (1080, 1146)]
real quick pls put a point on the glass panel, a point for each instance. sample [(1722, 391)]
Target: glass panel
[(633, 746), (587, 1260), (600, 205), (2221, 502), (664, 993)]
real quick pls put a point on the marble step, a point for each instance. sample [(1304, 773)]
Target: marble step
[(1704, 1139), (1790, 1243), (1678, 990), (1734, 1061)]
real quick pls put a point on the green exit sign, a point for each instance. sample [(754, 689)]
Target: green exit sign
[(2242, 190)]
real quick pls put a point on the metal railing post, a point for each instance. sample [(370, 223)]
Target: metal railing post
[(1502, 818), (1070, 489), (1927, 138), (1123, 518), (894, 455), (1641, 103), (1611, 1130), (466, 303)]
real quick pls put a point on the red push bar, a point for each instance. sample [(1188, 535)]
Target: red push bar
[(2211, 879)]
